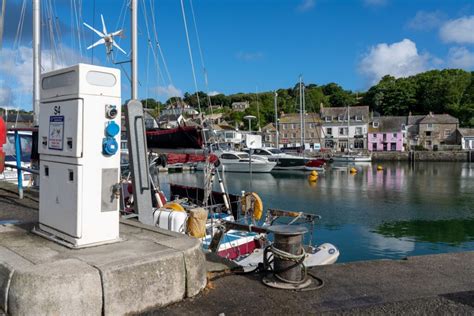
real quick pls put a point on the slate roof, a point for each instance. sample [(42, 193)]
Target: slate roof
[(295, 118), (388, 124), (439, 119), (361, 112), (466, 132)]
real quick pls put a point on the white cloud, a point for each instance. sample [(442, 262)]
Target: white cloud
[(16, 70), (460, 57), (458, 31), (168, 91), (399, 59), (425, 21), (305, 5), (213, 93), (375, 2), (249, 56), (6, 95)]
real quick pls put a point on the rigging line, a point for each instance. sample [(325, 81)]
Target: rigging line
[(201, 56), (149, 41), (147, 73), (191, 57), (152, 9), (93, 25), (78, 28), (19, 29)]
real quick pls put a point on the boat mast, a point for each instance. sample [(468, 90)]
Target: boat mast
[(301, 113), (303, 117), (36, 59), (348, 127), (2, 22), (134, 11), (277, 138)]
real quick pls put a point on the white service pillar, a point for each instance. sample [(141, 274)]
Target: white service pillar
[(78, 142)]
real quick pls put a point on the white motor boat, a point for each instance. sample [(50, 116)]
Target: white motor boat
[(283, 160), (352, 157), (236, 161)]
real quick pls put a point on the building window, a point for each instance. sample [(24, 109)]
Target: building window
[(428, 143), (384, 137), (359, 144), (428, 133), (374, 146), (358, 118), (327, 119), (447, 132), (358, 130), (312, 135), (283, 126), (329, 130), (285, 135), (430, 125), (293, 126), (268, 138), (343, 144), (342, 130), (393, 146), (394, 135), (311, 125), (374, 135), (293, 135), (404, 127), (375, 124)]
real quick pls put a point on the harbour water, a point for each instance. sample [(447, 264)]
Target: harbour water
[(397, 212)]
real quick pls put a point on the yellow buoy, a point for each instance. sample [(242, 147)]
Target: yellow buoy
[(379, 168), (313, 176), (174, 206), (353, 170)]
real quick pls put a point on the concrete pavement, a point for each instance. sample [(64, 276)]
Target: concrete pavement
[(149, 268)]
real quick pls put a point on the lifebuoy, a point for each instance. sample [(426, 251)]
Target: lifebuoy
[(252, 202), (174, 206)]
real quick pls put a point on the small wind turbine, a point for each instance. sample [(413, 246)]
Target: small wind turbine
[(106, 38)]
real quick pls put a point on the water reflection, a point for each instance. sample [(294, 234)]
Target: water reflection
[(399, 211), (449, 231)]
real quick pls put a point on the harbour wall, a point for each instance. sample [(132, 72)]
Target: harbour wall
[(449, 156)]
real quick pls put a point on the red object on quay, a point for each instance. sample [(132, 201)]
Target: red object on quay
[(3, 140)]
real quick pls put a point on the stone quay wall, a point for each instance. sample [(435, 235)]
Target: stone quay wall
[(424, 156)]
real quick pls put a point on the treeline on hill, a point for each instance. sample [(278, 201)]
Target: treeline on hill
[(440, 91)]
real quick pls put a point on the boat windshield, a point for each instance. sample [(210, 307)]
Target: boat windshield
[(275, 151), (243, 156)]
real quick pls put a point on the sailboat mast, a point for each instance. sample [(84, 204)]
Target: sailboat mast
[(348, 127), (2, 22), (134, 11), (301, 113), (303, 126), (36, 59), (277, 138)]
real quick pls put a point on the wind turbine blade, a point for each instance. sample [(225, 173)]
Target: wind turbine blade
[(93, 29), (116, 45), (104, 30), (116, 33), (101, 41)]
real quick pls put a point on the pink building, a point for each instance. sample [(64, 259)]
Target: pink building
[(387, 133)]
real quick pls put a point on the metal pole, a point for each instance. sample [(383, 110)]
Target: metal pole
[(277, 136), (2, 22), (303, 118), (36, 59), (134, 11), (301, 113)]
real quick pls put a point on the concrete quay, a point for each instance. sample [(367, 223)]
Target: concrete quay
[(421, 285), (149, 268)]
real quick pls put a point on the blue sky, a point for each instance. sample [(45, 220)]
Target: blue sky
[(249, 44)]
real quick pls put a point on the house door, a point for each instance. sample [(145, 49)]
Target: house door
[(385, 147)]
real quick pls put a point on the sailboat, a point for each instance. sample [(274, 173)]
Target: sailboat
[(351, 156)]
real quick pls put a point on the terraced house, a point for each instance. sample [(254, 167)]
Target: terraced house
[(345, 127), (290, 131)]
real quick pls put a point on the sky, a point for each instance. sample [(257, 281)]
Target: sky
[(246, 45)]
